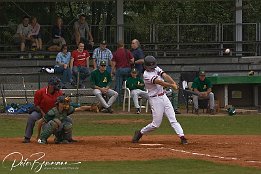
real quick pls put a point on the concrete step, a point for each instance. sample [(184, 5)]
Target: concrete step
[(27, 62)]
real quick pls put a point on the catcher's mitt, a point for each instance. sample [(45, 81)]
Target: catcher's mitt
[(95, 107)]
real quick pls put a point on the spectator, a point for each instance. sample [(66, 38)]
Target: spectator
[(136, 86), (58, 33), (203, 87), (80, 64), (82, 32), (44, 100), (62, 65), (138, 55), (22, 33), (102, 53), (121, 65), (35, 34), (101, 81)]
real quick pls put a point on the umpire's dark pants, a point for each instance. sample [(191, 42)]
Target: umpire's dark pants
[(33, 117)]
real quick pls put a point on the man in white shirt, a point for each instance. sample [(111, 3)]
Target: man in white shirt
[(155, 79)]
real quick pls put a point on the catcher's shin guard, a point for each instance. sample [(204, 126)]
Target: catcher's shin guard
[(67, 131), (136, 137), (48, 129)]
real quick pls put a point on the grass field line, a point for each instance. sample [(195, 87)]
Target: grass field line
[(193, 153)]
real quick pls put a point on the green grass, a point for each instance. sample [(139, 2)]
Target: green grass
[(87, 125), (166, 166), (84, 125)]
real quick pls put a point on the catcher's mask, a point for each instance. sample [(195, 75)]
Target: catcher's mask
[(55, 82), (65, 100), (150, 62), (231, 110)]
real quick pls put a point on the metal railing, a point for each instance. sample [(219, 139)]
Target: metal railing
[(181, 36)]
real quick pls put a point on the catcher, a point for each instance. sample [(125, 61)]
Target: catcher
[(57, 121)]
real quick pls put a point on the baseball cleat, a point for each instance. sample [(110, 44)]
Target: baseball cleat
[(72, 141), (183, 140), (136, 137), (26, 140)]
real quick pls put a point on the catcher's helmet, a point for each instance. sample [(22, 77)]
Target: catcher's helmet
[(65, 100), (150, 62)]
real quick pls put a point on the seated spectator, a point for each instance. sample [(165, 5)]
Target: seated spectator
[(34, 34), (101, 81), (203, 87), (102, 53), (58, 34), (62, 65), (136, 86), (121, 65), (22, 34), (82, 32), (80, 64)]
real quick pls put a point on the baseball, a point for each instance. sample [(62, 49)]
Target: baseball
[(227, 51)]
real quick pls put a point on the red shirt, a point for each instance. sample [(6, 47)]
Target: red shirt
[(80, 58), (122, 58), (45, 100)]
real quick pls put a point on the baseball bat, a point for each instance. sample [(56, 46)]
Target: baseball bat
[(25, 93)]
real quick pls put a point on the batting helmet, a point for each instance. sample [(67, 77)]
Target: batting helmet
[(55, 82), (150, 62)]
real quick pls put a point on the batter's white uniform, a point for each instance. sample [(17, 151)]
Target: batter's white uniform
[(159, 103)]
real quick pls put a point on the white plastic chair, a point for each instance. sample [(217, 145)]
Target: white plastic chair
[(127, 98)]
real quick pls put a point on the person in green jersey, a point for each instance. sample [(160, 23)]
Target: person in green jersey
[(203, 87), (57, 121), (101, 81), (136, 86)]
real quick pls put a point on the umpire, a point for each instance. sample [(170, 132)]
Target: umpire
[(44, 100)]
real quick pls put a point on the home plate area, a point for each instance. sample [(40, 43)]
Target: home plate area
[(243, 150)]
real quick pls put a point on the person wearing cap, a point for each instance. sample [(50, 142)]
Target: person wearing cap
[(102, 53), (136, 86), (44, 100), (101, 81), (57, 121), (80, 64), (121, 65), (203, 87), (82, 32)]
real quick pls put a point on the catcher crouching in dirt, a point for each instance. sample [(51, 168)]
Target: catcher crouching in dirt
[(58, 122)]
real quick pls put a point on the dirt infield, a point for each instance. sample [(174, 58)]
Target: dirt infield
[(238, 150)]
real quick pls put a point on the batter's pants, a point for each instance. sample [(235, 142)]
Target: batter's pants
[(161, 105)]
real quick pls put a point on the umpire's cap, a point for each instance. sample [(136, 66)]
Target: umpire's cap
[(55, 82), (150, 62)]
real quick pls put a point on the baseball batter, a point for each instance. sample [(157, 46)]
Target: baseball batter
[(155, 79)]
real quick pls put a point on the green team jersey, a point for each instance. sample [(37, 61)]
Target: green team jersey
[(55, 114), (100, 79), (202, 86), (132, 83)]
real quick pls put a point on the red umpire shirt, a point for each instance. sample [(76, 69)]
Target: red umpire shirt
[(45, 100)]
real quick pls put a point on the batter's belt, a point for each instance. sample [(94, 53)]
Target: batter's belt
[(158, 95)]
